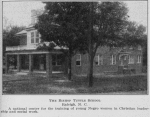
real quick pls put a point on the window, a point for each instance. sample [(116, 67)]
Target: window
[(78, 60), (139, 59), (54, 60), (113, 59), (96, 60), (57, 60), (139, 47), (37, 37), (32, 37), (131, 59)]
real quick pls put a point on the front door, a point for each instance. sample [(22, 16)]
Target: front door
[(123, 60)]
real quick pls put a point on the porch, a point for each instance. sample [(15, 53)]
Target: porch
[(35, 61)]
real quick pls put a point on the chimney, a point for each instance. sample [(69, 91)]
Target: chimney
[(34, 15)]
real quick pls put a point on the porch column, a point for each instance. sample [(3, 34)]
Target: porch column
[(18, 63), (30, 63), (49, 65), (6, 63)]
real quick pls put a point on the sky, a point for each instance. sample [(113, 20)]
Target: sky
[(19, 13)]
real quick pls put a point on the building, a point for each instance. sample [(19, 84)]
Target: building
[(110, 61), (107, 60)]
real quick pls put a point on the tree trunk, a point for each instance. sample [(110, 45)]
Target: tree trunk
[(90, 75), (69, 70), (91, 53)]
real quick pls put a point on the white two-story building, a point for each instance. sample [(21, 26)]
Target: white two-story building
[(27, 55)]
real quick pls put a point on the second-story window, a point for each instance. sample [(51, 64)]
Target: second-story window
[(37, 37), (32, 37)]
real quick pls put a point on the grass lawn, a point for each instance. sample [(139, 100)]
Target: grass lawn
[(58, 84)]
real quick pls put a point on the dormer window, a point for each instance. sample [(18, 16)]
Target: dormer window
[(35, 37)]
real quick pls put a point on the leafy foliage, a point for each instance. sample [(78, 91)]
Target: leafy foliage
[(133, 35), (64, 23), (44, 46), (80, 26), (10, 38)]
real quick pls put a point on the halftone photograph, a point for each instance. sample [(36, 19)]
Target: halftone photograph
[(74, 48)]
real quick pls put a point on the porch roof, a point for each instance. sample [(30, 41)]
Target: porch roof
[(21, 32)]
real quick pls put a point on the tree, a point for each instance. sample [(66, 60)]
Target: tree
[(133, 35), (84, 26), (111, 28), (109, 20), (10, 38), (62, 23)]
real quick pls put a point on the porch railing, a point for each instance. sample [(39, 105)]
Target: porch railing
[(21, 47)]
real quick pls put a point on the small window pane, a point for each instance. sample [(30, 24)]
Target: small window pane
[(78, 59), (78, 63), (37, 34), (32, 40), (37, 40), (32, 34)]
